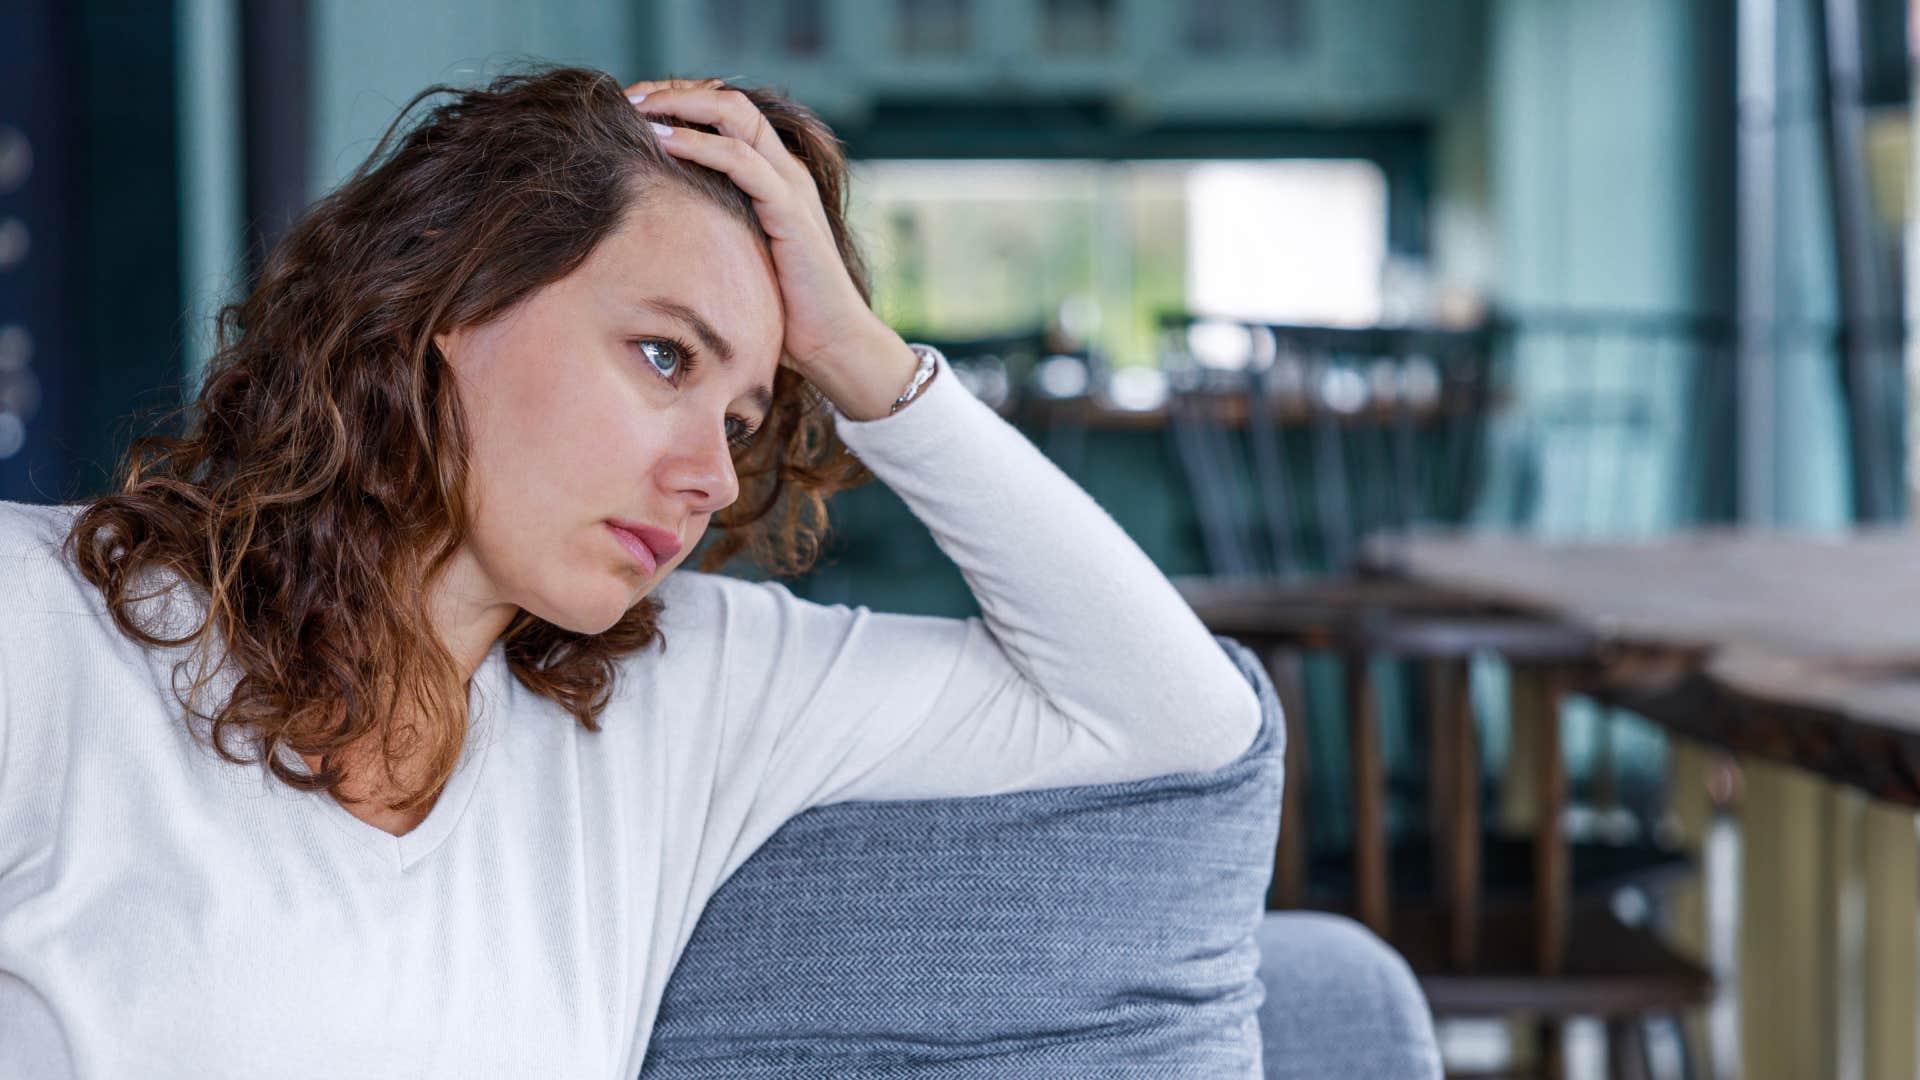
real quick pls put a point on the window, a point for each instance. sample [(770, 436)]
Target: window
[(1290, 241), (1095, 251)]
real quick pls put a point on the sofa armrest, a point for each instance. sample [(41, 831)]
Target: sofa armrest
[(1339, 1002)]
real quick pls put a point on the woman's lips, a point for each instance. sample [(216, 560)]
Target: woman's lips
[(650, 546)]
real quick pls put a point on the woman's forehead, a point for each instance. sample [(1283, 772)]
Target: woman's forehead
[(693, 254)]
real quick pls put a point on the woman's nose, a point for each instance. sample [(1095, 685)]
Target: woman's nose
[(702, 470)]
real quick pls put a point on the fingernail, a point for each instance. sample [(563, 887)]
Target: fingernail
[(638, 98), (662, 130)]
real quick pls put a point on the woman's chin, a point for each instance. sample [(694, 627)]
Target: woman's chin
[(590, 615)]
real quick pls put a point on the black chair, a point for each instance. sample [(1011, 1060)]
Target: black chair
[(1310, 452), (1036, 379)]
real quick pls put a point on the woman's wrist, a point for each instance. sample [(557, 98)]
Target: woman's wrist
[(863, 380)]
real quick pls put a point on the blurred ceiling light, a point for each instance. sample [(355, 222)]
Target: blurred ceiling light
[(13, 435), (16, 157), (14, 242), (20, 395), (16, 348)]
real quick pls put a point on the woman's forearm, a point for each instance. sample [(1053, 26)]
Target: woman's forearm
[(1081, 611)]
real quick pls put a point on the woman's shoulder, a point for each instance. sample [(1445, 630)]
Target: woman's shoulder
[(46, 598), (28, 526), (32, 562), (55, 650)]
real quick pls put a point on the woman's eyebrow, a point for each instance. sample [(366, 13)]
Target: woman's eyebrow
[(722, 350), (703, 329)]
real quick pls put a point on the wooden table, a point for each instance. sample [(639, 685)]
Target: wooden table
[(1537, 954), (1360, 618), (1797, 648), (1801, 654)]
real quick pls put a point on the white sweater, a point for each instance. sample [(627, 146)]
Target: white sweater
[(166, 914)]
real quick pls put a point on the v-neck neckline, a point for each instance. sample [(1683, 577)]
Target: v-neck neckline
[(486, 702)]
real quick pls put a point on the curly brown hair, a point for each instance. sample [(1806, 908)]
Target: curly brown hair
[(320, 482)]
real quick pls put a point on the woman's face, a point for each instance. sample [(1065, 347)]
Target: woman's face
[(582, 409)]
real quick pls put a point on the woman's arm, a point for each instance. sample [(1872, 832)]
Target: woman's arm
[(1080, 611), (1085, 664)]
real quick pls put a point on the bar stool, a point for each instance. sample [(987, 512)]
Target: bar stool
[(1283, 544), (1543, 946)]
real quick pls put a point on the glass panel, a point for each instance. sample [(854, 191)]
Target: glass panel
[(931, 26), (750, 27), (727, 23), (1078, 26), (806, 28), (1209, 25), (1277, 25), (1272, 26)]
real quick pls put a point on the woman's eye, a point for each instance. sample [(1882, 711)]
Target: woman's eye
[(682, 360), (660, 348)]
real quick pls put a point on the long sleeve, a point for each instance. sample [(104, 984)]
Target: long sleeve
[(531, 923), (1084, 666)]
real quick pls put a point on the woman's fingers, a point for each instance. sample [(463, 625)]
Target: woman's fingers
[(735, 114), (824, 309), (749, 169), (729, 110)]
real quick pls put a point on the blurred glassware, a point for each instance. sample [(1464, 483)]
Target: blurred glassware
[(1136, 389), (1220, 344), (1420, 382), (1287, 377), (1061, 376), (1383, 382), (19, 388), (1076, 319), (985, 377), (1343, 389)]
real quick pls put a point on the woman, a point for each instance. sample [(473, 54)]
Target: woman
[(421, 542)]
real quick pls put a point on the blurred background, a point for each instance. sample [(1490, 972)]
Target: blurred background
[(1448, 351)]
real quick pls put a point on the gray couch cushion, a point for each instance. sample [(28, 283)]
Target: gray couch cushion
[(1058, 932), (1340, 1002)]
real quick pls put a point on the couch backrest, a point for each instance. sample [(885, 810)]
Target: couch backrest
[(1014, 934)]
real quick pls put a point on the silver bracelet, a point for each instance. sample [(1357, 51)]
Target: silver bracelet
[(929, 361)]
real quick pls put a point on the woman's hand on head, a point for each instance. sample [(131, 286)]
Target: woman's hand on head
[(825, 315)]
